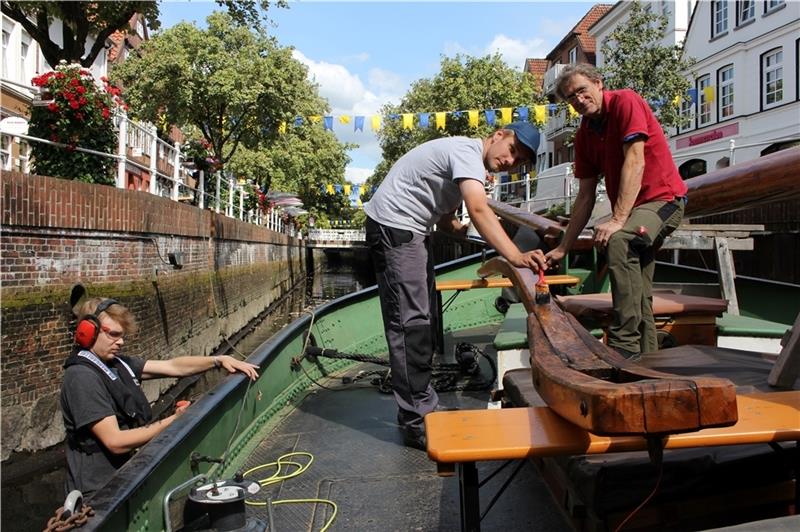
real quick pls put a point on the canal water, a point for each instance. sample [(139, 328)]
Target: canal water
[(33, 484)]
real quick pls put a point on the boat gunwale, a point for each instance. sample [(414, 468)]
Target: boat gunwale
[(135, 472)]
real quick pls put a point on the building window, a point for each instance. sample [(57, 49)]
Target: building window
[(725, 81), (687, 113), (6, 42), (772, 77), (573, 56), (23, 163), (771, 5), (5, 152), (745, 11), (719, 22), (24, 59), (704, 108), (691, 168)]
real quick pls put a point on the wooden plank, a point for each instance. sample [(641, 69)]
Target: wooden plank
[(679, 240), (727, 274), (747, 228), (517, 433), (787, 367), (499, 282)]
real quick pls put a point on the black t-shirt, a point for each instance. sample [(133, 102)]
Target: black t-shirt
[(85, 399)]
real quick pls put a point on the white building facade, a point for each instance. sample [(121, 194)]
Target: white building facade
[(745, 97), (677, 12)]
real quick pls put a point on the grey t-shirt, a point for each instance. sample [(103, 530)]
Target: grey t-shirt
[(421, 186), (85, 400)]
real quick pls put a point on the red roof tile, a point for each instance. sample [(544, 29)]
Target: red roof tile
[(581, 29)]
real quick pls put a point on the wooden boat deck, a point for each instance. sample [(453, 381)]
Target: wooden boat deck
[(378, 484)]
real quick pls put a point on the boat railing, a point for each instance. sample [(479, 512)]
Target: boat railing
[(731, 149)]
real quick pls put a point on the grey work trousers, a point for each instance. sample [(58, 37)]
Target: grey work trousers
[(406, 286)]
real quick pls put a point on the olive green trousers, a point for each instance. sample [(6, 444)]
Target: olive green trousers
[(631, 263)]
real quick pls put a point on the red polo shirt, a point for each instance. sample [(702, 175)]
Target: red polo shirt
[(598, 148)]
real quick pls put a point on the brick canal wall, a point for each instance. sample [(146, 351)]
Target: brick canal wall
[(58, 233)]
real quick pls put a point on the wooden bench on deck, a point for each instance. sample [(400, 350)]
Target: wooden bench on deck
[(459, 285), (459, 439)]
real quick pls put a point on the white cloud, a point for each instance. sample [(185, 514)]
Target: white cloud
[(348, 95), (357, 175), (513, 51)]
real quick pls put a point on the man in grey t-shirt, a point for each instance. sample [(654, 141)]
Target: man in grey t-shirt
[(424, 188)]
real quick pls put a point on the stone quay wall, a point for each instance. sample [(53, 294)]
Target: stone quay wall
[(116, 243)]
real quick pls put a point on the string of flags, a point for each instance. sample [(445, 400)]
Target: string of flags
[(499, 116)]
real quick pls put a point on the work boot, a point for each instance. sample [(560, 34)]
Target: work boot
[(414, 437), (630, 355)]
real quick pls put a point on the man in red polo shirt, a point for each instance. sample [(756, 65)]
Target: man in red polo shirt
[(620, 139)]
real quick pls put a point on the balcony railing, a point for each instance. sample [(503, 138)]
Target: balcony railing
[(550, 77)]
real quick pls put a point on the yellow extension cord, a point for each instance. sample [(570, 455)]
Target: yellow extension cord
[(278, 477)]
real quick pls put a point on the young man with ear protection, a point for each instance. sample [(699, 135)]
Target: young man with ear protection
[(106, 414)]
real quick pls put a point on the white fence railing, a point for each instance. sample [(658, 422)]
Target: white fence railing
[(338, 235), (141, 153)]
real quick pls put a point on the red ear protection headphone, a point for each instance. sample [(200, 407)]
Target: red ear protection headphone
[(89, 327)]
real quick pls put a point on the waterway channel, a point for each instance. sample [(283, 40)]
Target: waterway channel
[(33, 484)]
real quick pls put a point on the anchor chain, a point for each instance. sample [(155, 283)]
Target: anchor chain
[(58, 523)]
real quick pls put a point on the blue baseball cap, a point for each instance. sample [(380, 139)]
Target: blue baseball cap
[(526, 133)]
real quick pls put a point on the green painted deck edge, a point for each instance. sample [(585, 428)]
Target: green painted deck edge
[(732, 325)]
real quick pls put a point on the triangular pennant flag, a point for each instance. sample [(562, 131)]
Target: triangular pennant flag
[(315, 119), (505, 115), (298, 121), (376, 122), (338, 188), (408, 120), (423, 120), (323, 188), (458, 114), (347, 190), (344, 119), (677, 100), (540, 114), (357, 189), (282, 128), (359, 124), (708, 92), (552, 107), (522, 112), (490, 116), (572, 112), (692, 95), (440, 120), (472, 117), (327, 122), (329, 188), (514, 177), (358, 201)]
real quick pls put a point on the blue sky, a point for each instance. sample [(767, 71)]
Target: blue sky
[(365, 54)]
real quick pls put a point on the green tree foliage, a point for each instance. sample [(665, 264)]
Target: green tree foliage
[(233, 85), (304, 161), (635, 59), (463, 83), (99, 20)]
